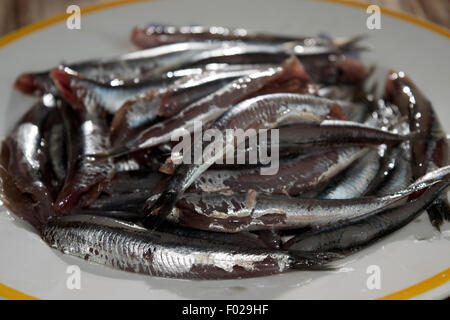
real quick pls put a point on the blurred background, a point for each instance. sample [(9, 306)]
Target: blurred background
[(15, 14)]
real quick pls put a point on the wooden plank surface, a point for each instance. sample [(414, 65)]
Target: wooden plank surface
[(18, 13)]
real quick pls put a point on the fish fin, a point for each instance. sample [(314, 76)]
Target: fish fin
[(161, 208), (314, 260)]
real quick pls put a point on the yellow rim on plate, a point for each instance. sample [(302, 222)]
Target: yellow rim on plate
[(410, 292)]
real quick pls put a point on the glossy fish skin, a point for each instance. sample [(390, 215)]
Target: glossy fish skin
[(134, 66), (399, 177), (189, 89), (140, 112), (347, 238), (439, 150), (20, 203), (323, 61), (22, 166), (25, 163), (387, 165), (232, 214), (153, 35), (136, 249), (54, 151), (335, 69), (209, 108), (124, 202), (110, 98), (241, 239), (262, 112), (85, 179), (329, 131), (354, 181), (395, 172), (255, 211), (134, 116), (401, 90), (295, 175), (133, 181)]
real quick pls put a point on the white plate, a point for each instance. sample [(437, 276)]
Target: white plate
[(406, 258)]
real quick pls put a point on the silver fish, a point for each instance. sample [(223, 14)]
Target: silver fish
[(262, 112), (85, 179), (209, 108), (349, 237), (134, 67), (295, 175), (132, 248), (153, 35), (354, 181), (256, 211), (140, 112)]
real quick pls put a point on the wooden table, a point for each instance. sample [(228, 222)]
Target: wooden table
[(18, 13)]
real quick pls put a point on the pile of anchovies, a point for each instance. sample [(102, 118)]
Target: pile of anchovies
[(89, 165)]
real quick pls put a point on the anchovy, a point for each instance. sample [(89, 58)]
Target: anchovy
[(35, 213), (325, 62), (309, 137), (349, 237), (422, 118), (153, 35), (133, 181), (295, 175), (188, 89), (23, 166), (257, 211), (123, 202), (354, 181), (262, 112), (329, 131), (138, 113), (399, 177), (403, 93), (21, 151), (53, 153), (85, 179), (134, 66), (209, 108), (129, 247), (75, 89)]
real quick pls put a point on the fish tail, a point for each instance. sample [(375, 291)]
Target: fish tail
[(160, 209), (314, 260)]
